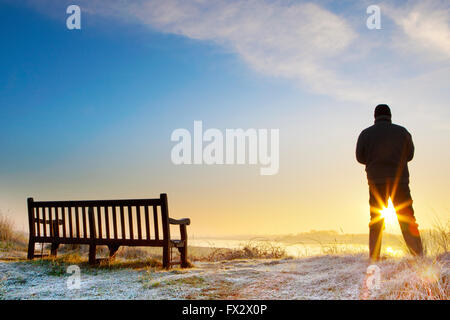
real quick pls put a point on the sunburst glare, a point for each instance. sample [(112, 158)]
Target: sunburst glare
[(389, 214)]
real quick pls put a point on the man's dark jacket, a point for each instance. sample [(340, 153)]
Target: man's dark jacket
[(385, 148)]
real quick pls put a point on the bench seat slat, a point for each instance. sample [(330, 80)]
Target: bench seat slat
[(177, 243), (126, 242)]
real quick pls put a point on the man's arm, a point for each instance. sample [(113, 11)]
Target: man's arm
[(361, 149), (410, 146)]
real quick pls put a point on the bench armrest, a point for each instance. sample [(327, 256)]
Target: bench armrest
[(185, 221)]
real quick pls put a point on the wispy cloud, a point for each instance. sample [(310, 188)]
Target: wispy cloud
[(298, 41), (324, 52), (425, 27)]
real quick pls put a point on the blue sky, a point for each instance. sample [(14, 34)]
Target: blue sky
[(88, 113), (62, 87)]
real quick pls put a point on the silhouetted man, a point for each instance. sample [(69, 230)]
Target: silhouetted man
[(385, 149)]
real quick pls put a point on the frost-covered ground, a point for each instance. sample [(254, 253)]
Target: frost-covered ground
[(319, 277)]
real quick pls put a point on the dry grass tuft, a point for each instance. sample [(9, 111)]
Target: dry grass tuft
[(417, 279), (9, 239), (6, 228), (132, 253), (249, 250), (437, 240)]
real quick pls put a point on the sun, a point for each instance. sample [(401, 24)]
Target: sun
[(389, 214)]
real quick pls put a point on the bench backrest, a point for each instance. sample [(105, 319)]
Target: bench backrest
[(130, 219)]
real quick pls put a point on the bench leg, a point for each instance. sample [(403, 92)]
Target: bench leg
[(183, 256), (54, 249), (92, 250), (166, 257), (30, 255), (112, 251), (183, 250)]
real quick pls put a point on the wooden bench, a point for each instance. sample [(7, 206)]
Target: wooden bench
[(113, 223)]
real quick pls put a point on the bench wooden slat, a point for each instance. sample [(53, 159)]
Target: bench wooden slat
[(147, 223), (63, 218), (56, 229), (122, 223), (38, 228), (96, 203), (50, 226), (91, 217), (138, 219), (85, 233), (45, 222), (99, 221), (107, 221), (126, 242), (155, 219), (69, 216), (77, 219), (130, 222), (114, 213)]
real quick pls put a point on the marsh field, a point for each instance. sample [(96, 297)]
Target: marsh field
[(314, 265)]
